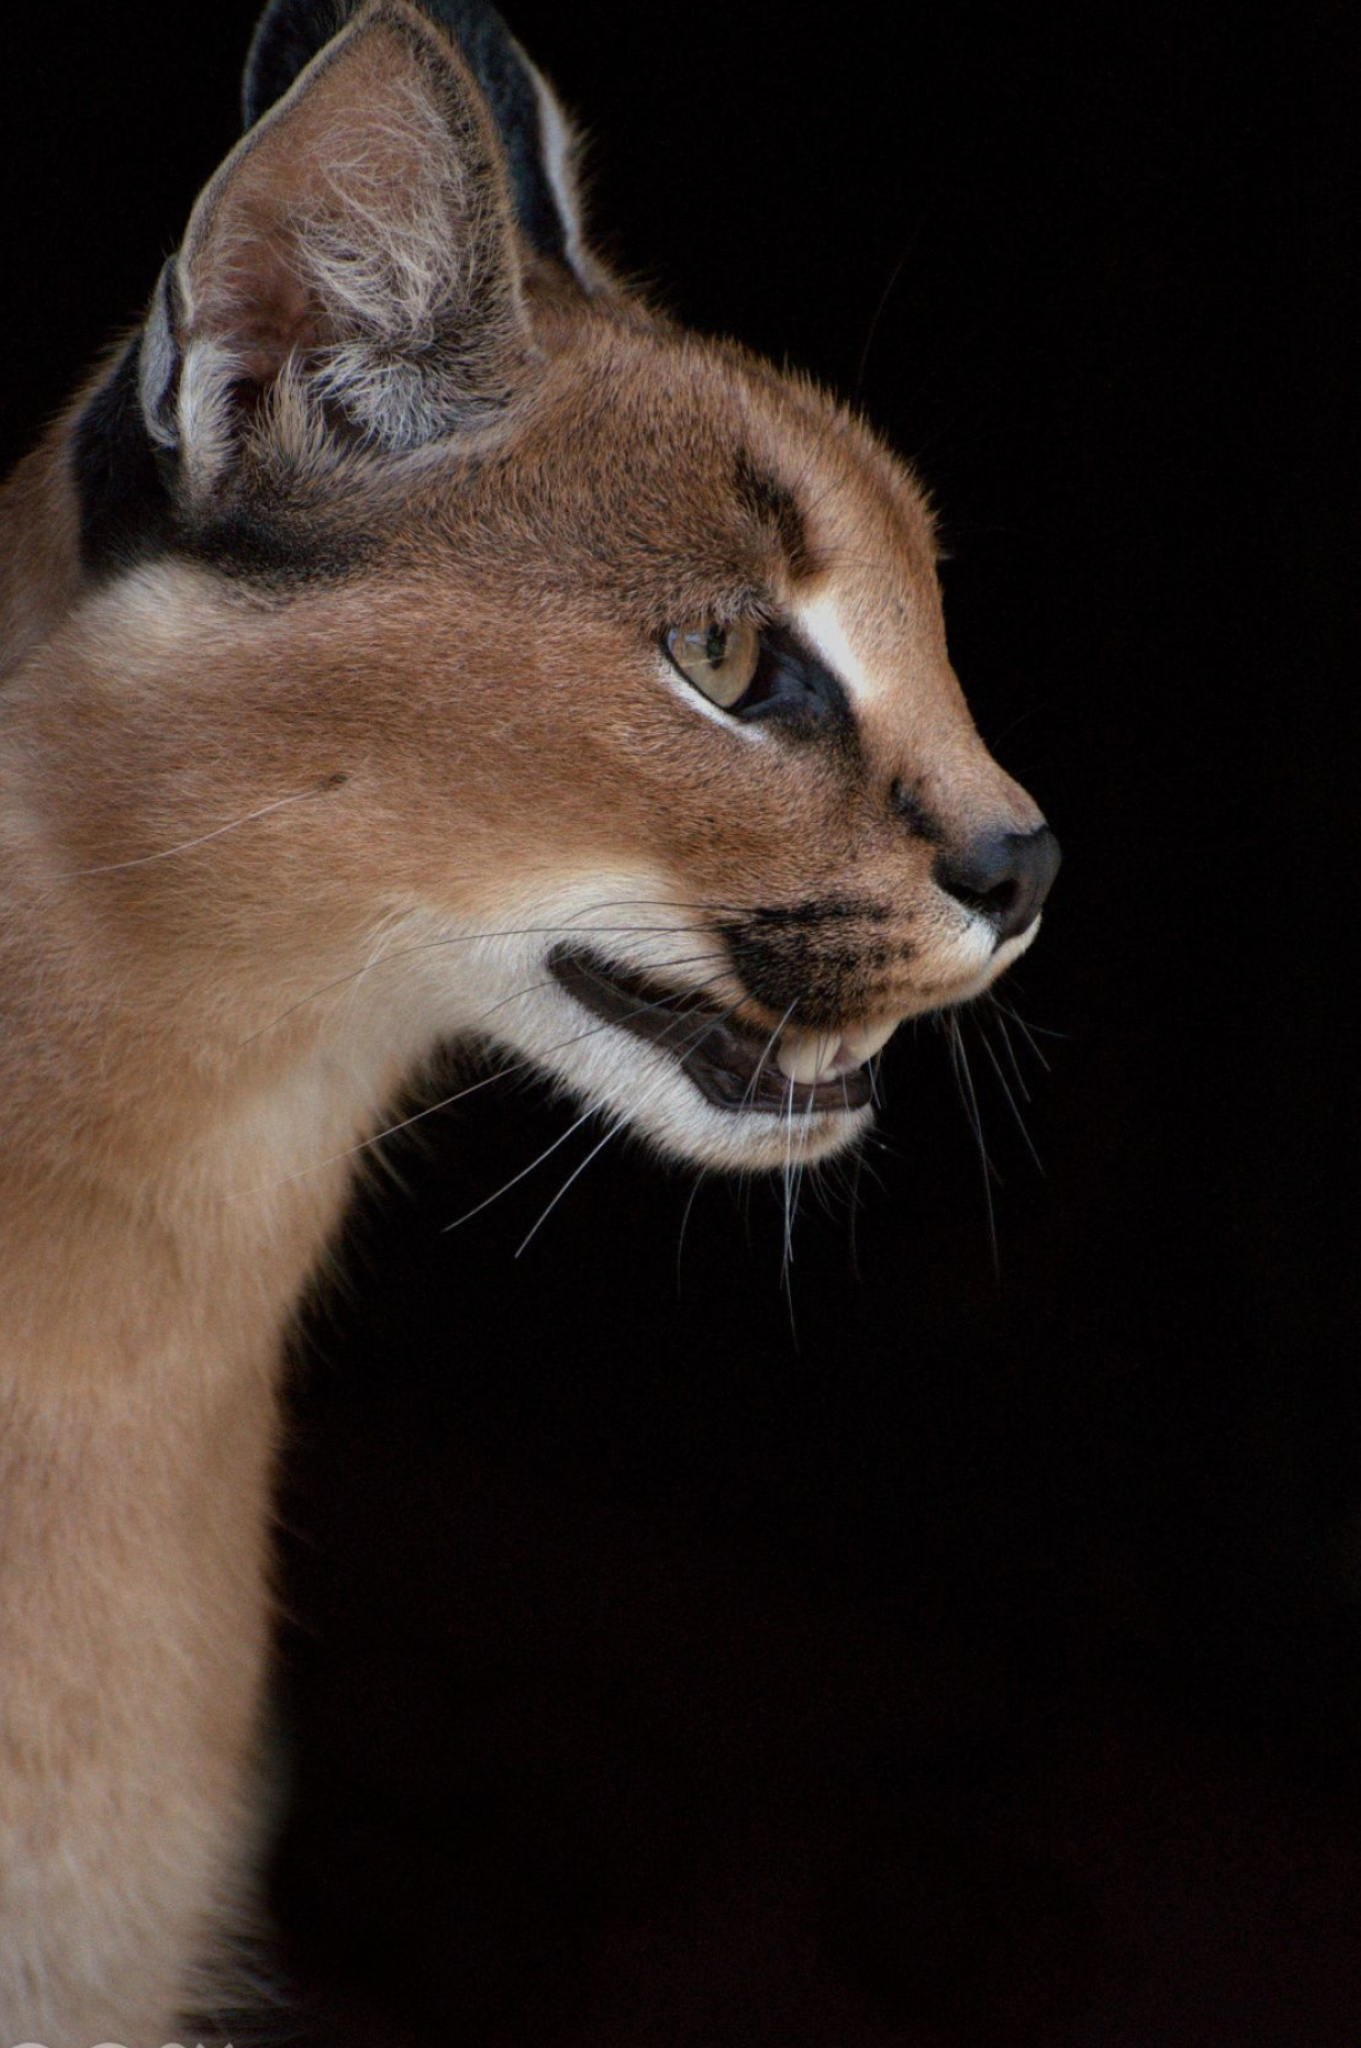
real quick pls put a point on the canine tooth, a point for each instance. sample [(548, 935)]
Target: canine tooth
[(806, 1056), (863, 1041)]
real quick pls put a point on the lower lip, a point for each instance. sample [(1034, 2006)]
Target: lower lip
[(746, 1081)]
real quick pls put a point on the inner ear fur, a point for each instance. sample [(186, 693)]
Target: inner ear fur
[(353, 271)]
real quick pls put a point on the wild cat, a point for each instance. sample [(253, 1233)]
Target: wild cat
[(409, 637)]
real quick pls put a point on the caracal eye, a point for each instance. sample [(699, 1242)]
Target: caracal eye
[(719, 660)]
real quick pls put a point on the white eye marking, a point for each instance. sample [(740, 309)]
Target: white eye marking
[(820, 623)]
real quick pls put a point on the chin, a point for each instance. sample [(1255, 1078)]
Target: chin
[(684, 1078), (700, 1084)]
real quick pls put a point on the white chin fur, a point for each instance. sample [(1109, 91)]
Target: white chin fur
[(989, 969), (644, 1087), (502, 990), (482, 983)]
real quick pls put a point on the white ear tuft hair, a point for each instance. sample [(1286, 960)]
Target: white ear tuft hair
[(405, 300), (536, 135), (351, 276)]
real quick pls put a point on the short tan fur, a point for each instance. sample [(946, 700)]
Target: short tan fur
[(339, 720)]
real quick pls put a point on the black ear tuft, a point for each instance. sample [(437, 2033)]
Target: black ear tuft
[(291, 32), (287, 37), (501, 69), (124, 506)]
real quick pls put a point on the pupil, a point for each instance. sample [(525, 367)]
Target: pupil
[(715, 645)]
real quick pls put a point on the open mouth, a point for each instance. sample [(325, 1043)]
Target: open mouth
[(733, 1066)]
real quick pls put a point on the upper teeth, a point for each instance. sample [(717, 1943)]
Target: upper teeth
[(812, 1056), (808, 1055)]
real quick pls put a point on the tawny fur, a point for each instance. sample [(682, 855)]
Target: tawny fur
[(256, 833)]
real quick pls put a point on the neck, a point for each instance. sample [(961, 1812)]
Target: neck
[(176, 1141)]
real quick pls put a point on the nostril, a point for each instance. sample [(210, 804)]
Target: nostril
[(970, 880), (1003, 876), (995, 903)]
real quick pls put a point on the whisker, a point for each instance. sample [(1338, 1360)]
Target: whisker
[(473, 938), (584, 1118), (1029, 1037), (1012, 1060), (787, 1259), (695, 1186), (1028, 1031), (876, 1076), (800, 1170), (853, 1233), (766, 1050), (524, 1172), (964, 1076), (747, 1094), (787, 1255), (142, 860), (1012, 1103), (615, 1128), (575, 1175), (461, 1095)]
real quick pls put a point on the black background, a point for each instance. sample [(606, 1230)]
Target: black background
[(692, 1647)]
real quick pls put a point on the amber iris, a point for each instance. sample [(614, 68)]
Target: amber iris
[(719, 660)]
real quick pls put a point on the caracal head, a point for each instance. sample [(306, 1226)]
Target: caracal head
[(617, 654)]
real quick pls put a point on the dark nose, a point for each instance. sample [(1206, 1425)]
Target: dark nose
[(1004, 875)]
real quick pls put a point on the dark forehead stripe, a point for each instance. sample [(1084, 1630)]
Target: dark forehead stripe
[(795, 691), (292, 31), (767, 499)]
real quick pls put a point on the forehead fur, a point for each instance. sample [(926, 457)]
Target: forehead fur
[(660, 475)]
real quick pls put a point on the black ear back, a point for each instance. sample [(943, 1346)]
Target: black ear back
[(124, 506), (291, 32), (503, 72)]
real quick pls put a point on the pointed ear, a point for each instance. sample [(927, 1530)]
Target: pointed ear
[(536, 136), (351, 275)]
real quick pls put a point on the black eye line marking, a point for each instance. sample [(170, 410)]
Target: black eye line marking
[(792, 689)]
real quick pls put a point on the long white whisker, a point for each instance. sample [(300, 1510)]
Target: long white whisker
[(766, 1050), (964, 1076), (524, 1172), (575, 1175), (447, 1102), (1012, 1103), (613, 1132), (142, 860), (787, 1258), (447, 939), (695, 1186), (1012, 1061), (1026, 1032), (857, 1171), (876, 1079), (548, 1150)]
